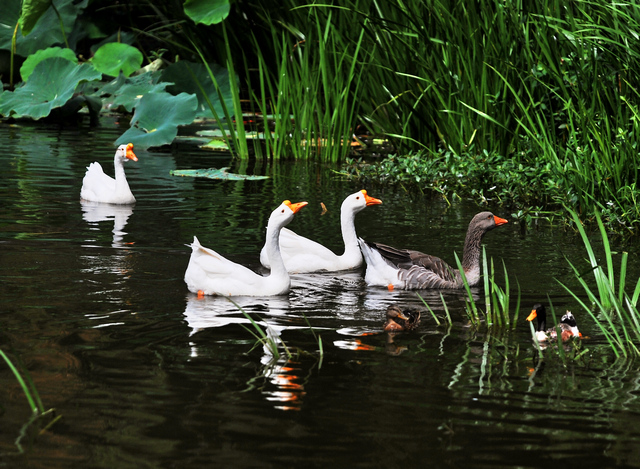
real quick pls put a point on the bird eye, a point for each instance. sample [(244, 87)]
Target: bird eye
[(282, 211), (358, 198)]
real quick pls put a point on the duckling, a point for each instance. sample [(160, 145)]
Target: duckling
[(568, 325), (398, 320)]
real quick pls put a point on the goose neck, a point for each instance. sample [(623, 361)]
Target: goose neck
[(273, 250)]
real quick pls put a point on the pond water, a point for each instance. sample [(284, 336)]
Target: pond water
[(145, 374)]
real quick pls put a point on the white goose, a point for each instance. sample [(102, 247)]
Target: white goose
[(210, 273), (98, 187), (301, 254)]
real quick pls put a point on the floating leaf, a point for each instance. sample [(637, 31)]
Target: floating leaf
[(157, 117), (35, 59), (207, 11), (194, 78), (213, 173), (116, 57), (50, 85)]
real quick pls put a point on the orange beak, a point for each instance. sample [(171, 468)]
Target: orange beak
[(499, 221), (295, 207), (130, 154), (370, 200), (532, 316)]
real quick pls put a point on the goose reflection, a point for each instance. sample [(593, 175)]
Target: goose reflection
[(95, 212), (279, 376), (219, 311)]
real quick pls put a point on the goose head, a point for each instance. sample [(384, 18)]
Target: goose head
[(539, 312), (485, 221), (358, 201), (125, 152), (282, 215)]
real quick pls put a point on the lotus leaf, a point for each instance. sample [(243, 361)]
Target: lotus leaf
[(32, 10), (50, 86), (194, 78), (35, 59), (207, 11), (213, 173), (157, 117), (116, 57), (127, 92), (48, 27)]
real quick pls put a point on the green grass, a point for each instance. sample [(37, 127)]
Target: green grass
[(613, 310)]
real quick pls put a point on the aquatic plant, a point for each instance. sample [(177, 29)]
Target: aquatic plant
[(613, 310), (497, 299), (38, 413)]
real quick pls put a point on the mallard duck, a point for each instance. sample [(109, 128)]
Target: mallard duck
[(98, 187), (412, 270), (568, 325), (399, 320), (301, 254), (209, 273)]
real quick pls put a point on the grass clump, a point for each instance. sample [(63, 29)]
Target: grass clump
[(613, 310)]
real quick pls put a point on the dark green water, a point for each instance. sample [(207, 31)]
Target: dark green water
[(146, 375)]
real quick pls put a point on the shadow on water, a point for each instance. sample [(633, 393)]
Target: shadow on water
[(145, 374)]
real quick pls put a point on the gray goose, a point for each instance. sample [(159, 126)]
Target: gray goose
[(413, 270)]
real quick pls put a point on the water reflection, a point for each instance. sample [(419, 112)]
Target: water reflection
[(279, 375), (219, 311), (95, 212)]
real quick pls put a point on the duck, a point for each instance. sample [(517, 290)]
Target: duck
[(399, 320), (98, 187), (302, 255), (568, 325), (413, 270), (209, 273)]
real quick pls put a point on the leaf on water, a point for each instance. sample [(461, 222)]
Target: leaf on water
[(213, 173), (163, 113), (51, 84)]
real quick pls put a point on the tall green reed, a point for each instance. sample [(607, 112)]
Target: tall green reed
[(614, 312)]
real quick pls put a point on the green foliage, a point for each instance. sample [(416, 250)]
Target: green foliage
[(194, 78), (114, 58), (34, 59), (127, 92), (31, 12), (51, 84), (214, 173), (157, 117), (207, 11), (613, 310)]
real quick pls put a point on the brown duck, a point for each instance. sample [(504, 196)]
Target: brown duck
[(399, 320)]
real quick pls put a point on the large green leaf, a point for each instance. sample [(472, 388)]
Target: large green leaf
[(194, 78), (116, 57), (157, 117), (127, 92), (207, 11), (50, 85), (35, 59), (48, 29), (31, 12)]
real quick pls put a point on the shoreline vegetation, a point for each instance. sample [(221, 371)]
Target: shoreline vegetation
[(534, 106)]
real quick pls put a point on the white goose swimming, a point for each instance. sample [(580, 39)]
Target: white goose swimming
[(301, 254), (210, 273), (98, 187)]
